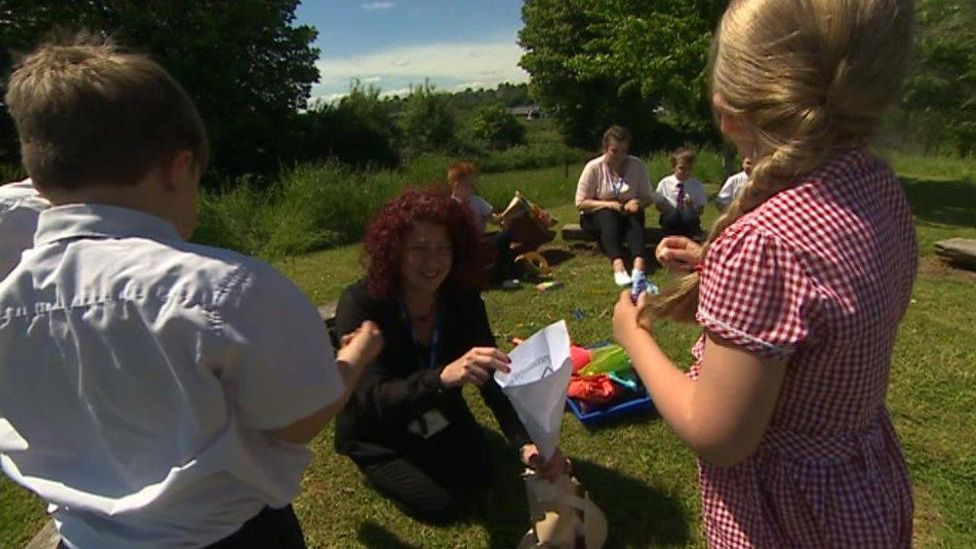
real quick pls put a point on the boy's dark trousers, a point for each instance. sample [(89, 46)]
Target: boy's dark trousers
[(277, 528), (505, 262), (683, 222), (270, 528)]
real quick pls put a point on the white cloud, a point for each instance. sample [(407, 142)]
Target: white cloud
[(372, 79), (474, 85), (399, 92), (378, 5), (445, 64)]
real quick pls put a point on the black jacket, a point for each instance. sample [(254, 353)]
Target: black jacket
[(399, 387)]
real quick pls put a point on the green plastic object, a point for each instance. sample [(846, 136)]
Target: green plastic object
[(610, 358)]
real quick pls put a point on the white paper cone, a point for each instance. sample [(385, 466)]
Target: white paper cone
[(536, 385)]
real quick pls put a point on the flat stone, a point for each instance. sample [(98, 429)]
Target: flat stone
[(47, 538), (960, 252), (328, 311)]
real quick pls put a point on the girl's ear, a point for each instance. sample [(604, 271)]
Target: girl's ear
[(732, 125)]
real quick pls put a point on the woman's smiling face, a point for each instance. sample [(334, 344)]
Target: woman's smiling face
[(427, 258)]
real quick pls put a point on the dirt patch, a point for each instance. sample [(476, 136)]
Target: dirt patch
[(927, 520), (933, 267)]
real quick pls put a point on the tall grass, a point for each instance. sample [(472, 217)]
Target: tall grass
[(317, 206), (950, 168), (11, 172), (311, 206)]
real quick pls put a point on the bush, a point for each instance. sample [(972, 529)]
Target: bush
[(358, 131), (428, 122), (498, 127)]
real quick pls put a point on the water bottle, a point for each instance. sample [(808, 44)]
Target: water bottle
[(641, 284), (638, 285)]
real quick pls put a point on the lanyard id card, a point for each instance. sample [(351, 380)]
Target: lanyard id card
[(429, 424)]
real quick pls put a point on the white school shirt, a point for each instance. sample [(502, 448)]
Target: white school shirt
[(138, 374), (731, 189), (482, 211), (20, 204), (668, 188), (597, 183)]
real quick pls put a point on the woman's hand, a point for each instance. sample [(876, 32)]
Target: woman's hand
[(557, 465), (474, 367), (613, 205), (679, 254), (632, 206)]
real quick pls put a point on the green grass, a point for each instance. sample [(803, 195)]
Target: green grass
[(637, 471)]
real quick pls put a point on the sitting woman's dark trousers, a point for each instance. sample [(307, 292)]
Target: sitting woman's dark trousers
[(684, 222), (385, 426), (505, 260), (611, 228)]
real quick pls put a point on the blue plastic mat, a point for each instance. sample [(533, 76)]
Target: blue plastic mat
[(641, 403), (633, 403)]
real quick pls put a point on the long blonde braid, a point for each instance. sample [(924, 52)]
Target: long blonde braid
[(811, 78)]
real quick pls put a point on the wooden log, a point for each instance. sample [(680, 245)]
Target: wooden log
[(573, 232), (46, 538), (960, 252), (328, 314)]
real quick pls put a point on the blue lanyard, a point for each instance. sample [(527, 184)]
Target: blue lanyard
[(616, 185), (617, 182), (435, 338)]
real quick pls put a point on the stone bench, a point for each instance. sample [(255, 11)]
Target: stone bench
[(328, 314), (960, 252), (572, 232)]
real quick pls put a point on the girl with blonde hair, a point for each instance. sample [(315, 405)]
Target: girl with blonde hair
[(799, 289)]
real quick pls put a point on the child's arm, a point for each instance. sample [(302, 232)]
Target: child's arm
[(359, 349), (724, 414), (272, 354)]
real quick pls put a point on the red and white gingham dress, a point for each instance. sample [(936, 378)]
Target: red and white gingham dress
[(820, 275)]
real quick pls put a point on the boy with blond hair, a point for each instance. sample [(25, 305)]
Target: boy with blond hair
[(154, 392)]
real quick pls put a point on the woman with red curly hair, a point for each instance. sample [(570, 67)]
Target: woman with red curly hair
[(407, 426)]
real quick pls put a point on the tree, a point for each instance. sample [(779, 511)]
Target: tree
[(639, 63), (359, 130), (246, 65), (428, 121), (939, 99), (498, 127)]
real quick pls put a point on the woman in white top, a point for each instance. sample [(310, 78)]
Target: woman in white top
[(611, 196)]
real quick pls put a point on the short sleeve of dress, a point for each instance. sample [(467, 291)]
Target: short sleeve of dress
[(754, 293)]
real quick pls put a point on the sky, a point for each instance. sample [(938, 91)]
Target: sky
[(394, 43)]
